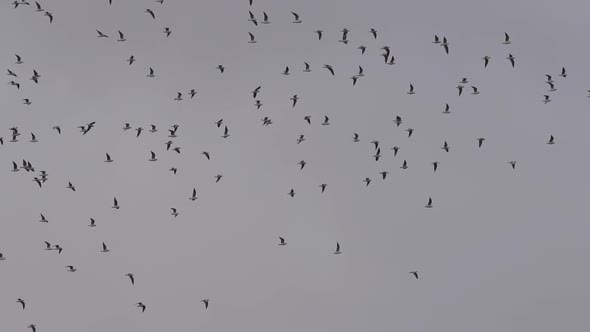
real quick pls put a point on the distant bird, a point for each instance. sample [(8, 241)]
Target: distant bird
[(549, 80), (355, 138), (33, 327), (255, 92), (404, 165), (367, 181), (391, 60), (384, 174), (326, 121), (506, 39), (446, 147), (252, 19), (225, 133), (302, 163), (377, 154), (71, 268), (174, 212), (282, 243), (206, 302), (398, 120), (15, 84), (11, 73), (18, 59), (194, 195), (480, 141), (319, 33), (173, 170), (115, 203), (301, 139), (221, 68), (445, 45), (92, 223), (141, 305), (475, 92), (429, 205), (50, 15), (154, 129), (167, 32), (511, 58), (265, 18), (151, 74), (464, 80), (2, 257), (218, 177), (151, 12), (291, 193), (395, 150), (252, 39), (415, 273), (551, 86), (104, 248), (71, 186), (131, 277), (361, 72), (153, 158), (206, 154), (47, 245), (297, 20), (43, 219), (307, 118), (374, 33), (108, 160), (563, 74), (121, 37), (323, 187), (435, 165), (307, 68), (362, 48), (460, 88), (286, 71), (486, 60), (131, 60), (39, 9), (436, 40), (513, 164), (295, 98), (101, 35), (178, 96), (411, 92), (330, 69), (139, 130), (337, 252), (27, 101), (22, 302), (446, 111), (410, 131), (551, 140), (547, 99)]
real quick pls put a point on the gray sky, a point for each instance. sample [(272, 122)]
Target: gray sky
[(502, 249)]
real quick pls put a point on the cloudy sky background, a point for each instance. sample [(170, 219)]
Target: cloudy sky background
[(502, 249)]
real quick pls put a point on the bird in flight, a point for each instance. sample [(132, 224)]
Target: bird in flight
[(206, 302), (506, 39), (415, 273), (551, 140), (101, 35), (33, 327), (151, 12), (511, 58), (121, 37), (104, 248), (563, 73), (252, 39), (265, 18), (429, 205), (194, 195), (323, 187), (319, 33), (282, 243), (374, 33), (252, 19), (411, 92), (297, 20), (480, 141), (167, 32), (22, 302), (291, 193), (337, 252), (71, 268), (141, 305), (131, 277), (115, 203), (486, 61), (445, 45)]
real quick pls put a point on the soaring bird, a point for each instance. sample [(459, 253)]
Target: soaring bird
[(2, 257), (436, 40), (323, 187), (404, 165), (71, 268), (252, 39), (337, 252), (513, 164), (167, 32), (547, 99), (319, 33), (18, 59), (33, 327), (43, 219), (355, 138), (551, 86), (302, 163), (446, 147), (283, 243), (225, 133), (445, 45), (326, 121), (39, 9), (151, 74), (141, 305), (296, 16), (151, 12), (131, 277), (206, 302), (115, 203), (218, 177), (153, 158), (307, 118), (291, 193), (307, 68), (178, 96), (194, 195), (301, 138), (480, 141), (109, 160), (330, 69), (221, 68), (131, 59), (265, 18), (286, 71), (101, 35), (384, 174), (475, 92), (506, 39), (411, 92), (71, 186), (415, 273), (410, 131), (295, 98), (447, 109), (367, 181), (374, 33), (255, 92), (92, 223), (174, 212), (511, 58), (363, 48), (429, 205), (395, 150), (22, 302), (104, 248), (551, 140), (563, 73), (121, 37), (252, 19), (50, 15), (206, 154)]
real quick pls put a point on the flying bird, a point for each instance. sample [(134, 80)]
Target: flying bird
[(337, 252), (374, 33), (104, 248), (194, 195), (551, 140), (297, 20), (252, 39), (151, 12), (547, 99), (330, 69), (206, 302), (319, 33), (475, 92), (101, 35), (486, 60), (511, 58), (429, 205), (411, 92), (415, 273), (121, 37), (307, 68), (282, 243), (506, 39), (71, 186), (252, 19), (141, 305), (563, 73), (446, 147), (291, 193), (108, 160), (115, 203), (295, 98), (445, 45), (167, 32), (323, 187), (131, 277), (265, 18), (151, 74), (206, 154), (22, 302)]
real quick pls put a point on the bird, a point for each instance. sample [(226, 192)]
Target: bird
[(307, 68), (178, 96), (282, 243), (265, 18), (551, 140), (330, 69), (33, 138), (252, 19), (174, 212), (141, 305), (218, 177), (18, 59), (446, 147), (361, 72), (101, 35), (480, 141), (194, 195), (2, 257), (295, 98), (513, 164), (11, 73), (206, 154), (436, 40), (92, 223), (362, 48), (153, 158), (131, 277), (377, 154), (22, 302), (398, 120), (319, 33), (43, 219), (252, 39), (225, 133), (326, 121), (435, 165), (410, 131), (39, 9), (173, 170), (355, 138), (302, 163), (367, 181), (139, 130), (47, 245), (109, 160), (415, 273), (323, 187), (151, 74), (151, 12), (301, 139), (563, 73), (221, 68), (384, 174), (291, 193), (506, 39), (15, 84), (373, 32), (121, 37), (255, 92), (547, 99), (307, 118), (167, 32), (391, 61), (395, 150), (131, 60), (511, 58), (404, 165), (296, 16), (71, 186), (115, 203), (551, 86), (286, 71), (411, 92), (104, 248), (154, 129), (337, 252), (50, 15), (429, 205), (445, 45), (447, 109), (475, 91), (71, 268), (206, 302), (33, 327)]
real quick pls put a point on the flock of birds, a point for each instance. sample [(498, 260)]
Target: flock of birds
[(41, 177)]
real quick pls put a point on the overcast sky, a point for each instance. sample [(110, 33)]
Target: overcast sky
[(501, 250)]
